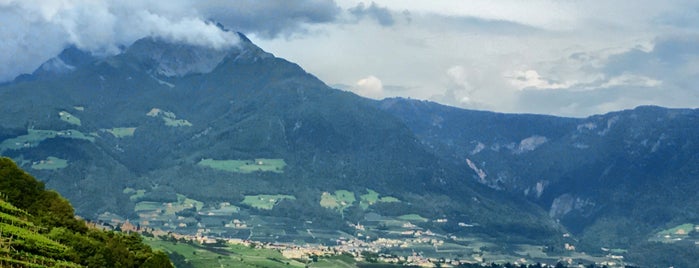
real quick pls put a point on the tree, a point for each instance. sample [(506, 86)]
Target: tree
[(157, 260)]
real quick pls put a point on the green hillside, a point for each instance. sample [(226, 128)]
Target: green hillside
[(38, 229)]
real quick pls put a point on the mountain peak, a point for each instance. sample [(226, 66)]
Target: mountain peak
[(69, 59), (176, 59)]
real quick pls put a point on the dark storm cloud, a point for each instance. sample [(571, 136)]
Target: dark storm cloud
[(381, 14), (272, 18)]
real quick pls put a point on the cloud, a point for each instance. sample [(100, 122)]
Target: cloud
[(631, 80), (663, 73), (381, 14), (530, 79), (270, 18), (370, 87), (674, 55), (34, 31), (476, 86)]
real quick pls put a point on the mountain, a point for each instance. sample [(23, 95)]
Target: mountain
[(197, 140), (611, 179), (238, 143)]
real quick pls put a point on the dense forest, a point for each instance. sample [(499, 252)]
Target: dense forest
[(38, 228)]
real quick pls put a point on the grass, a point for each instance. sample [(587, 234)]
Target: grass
[(69, 118), (182, 199), (36, 136), (265, 202), (148, 206), (238, 255), (341, 200), (51, 163), (169, 118), (182, 203), (412, 217), (154, 112), (683, 230), (176, 122), (230, 256), (225, 165), (389, 199), (121, 132), (674, 234), (368, 199), (170, 209), (246, 166), (372, 197), (224, 210), (135, 194)]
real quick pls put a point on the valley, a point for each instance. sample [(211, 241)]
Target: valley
[(265, 154), (405, 239)]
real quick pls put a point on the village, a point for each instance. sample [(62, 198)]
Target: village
[(361, 247), (360, 250)]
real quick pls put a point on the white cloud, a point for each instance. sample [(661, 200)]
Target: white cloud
[(530, 79), (472, 54), (632, 80), (370, 87), (38, 30)]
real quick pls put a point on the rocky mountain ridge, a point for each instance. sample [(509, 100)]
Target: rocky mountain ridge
[(628, 166)]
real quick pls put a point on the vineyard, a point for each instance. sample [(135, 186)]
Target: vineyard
[(38, 228), (22, 245)]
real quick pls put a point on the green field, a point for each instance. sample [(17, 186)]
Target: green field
[(341, 200), (188, 202), (51, 163), (69, 118), (176, 122), (683, 229), (183, 203), (148, 206), (264, 201), (121, 132), (372, 197), (673, 234), (36, 136), (412, 217), (223, 210), (135, 195), (238, 255), (246, 166), (169, 118), (231, 256)]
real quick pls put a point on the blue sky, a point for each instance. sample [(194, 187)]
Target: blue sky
[(569, 58)]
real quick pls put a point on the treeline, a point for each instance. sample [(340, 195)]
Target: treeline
[(46, 215)]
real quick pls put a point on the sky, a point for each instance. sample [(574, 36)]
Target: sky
[(559, 57)]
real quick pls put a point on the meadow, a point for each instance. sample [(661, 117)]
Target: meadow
[(246, 166)]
